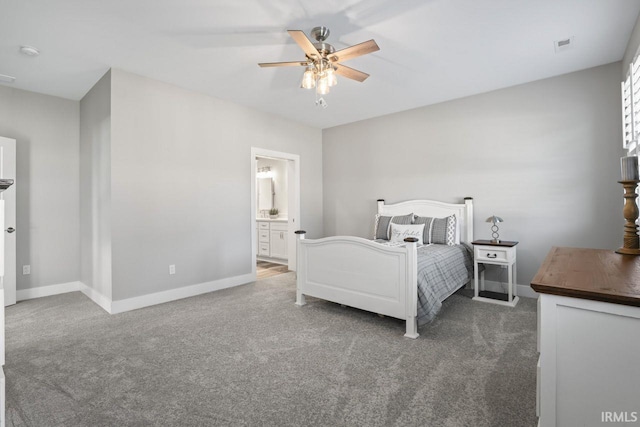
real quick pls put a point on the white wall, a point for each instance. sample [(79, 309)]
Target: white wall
[(46, 132), (95, 187), (181, 183), (544, 156)]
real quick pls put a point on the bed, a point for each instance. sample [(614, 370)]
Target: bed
[(392, 279)]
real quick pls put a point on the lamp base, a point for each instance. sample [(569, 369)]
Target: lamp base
[(495, 240), (628, 251)]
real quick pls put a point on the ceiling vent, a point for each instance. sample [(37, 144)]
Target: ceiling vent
[(564, 44), (7, 79)]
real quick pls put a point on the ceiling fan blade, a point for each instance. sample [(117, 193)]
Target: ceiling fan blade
[(305, 44), (350, 73), (354, 51), (284, 64)]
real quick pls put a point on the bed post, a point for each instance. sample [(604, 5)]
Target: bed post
[(380, 206), (468, 208), (300, 273), (411, 296)]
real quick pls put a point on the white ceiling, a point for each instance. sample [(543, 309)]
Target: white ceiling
[(430, 50)]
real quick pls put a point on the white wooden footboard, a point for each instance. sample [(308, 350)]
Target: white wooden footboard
[(360, 273)]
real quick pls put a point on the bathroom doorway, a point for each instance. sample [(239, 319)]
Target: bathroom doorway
[(275, 211)]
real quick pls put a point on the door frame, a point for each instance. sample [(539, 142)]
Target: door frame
[(293, 208)]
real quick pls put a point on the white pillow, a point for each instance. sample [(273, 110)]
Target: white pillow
[(399, 232)]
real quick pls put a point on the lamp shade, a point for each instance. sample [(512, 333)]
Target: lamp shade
[(495, 219)]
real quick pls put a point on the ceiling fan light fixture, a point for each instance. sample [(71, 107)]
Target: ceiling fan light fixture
[(330, 75), (322, 87), (323, 62), (309, 78)]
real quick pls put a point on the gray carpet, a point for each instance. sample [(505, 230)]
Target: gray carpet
[(248, 356)]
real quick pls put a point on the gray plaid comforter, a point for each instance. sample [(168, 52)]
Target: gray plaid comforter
[(442, 270)]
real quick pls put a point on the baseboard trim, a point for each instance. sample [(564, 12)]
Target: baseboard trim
[(134, 303), (45, 291), (522, 290), (97, 297), (142, 301)]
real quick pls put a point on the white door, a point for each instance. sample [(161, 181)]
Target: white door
[(8, 171)]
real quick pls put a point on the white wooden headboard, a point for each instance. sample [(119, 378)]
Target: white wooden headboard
[(434, 209)]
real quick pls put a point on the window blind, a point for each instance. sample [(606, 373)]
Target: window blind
[(630, 89)]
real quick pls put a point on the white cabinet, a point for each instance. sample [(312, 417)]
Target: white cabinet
[(272, 239), (278, 240), (588, 367), (263, 238), (588, 338)]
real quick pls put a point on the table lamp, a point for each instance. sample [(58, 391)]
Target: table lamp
[(494, 228)]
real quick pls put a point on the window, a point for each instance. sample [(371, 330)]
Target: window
[(631, 109)]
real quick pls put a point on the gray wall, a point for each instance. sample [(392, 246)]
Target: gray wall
[(544, 156), (95, 187), (632, 48), (181, 183), (46, 132)]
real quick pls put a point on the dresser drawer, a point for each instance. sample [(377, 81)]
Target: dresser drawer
[(263, 236)]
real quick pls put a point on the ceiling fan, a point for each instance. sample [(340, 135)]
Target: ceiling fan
[(323, 61)]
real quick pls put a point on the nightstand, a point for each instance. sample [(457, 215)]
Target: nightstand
[(502, 254)]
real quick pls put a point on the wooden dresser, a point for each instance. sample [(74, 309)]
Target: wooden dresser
[(588, 338)]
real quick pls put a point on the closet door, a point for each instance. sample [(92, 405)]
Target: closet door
[(8, 171)]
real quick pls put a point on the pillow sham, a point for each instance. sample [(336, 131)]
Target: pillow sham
[(383, 223), (428, 223), (399, 232), (438, 230)]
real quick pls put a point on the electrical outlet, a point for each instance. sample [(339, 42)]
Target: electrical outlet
[(26, 269), (172, 269)]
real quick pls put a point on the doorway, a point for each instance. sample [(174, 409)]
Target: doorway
[(275, 185)]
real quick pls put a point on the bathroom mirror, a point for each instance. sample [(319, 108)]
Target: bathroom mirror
[(265, 194)]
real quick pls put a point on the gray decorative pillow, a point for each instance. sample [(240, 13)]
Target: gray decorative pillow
[(451, 230), (383, 224), (428, 223), (438, 230)]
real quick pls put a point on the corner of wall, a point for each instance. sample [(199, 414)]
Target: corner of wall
[(95, 185), (632, 48)]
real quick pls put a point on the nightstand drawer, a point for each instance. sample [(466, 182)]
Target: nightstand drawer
[(491, 255), (494, 254)]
